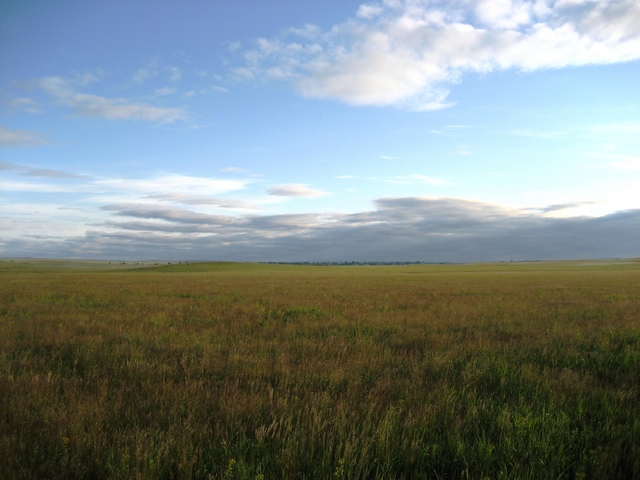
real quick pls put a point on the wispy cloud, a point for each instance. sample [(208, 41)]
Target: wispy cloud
[(429, 180), (175, 74), (295, 190), (143, 74), (563, 207), (409, 53), (621, 163), (172, 184), (26, 104), (233, 170), (605, 130), (412, 179), (539, 135), (149, 71), (88, 105), (178, 215), (186, 199), (165, 187), (616, 161), (165, 91), (34, 186), (38, 172), (21, 138), (620, 128)]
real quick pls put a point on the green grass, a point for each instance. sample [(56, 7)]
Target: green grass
[(241, 371)]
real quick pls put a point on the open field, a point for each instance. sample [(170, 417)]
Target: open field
[(243, 371)]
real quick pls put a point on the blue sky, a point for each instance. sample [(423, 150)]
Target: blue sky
[(320, 130)]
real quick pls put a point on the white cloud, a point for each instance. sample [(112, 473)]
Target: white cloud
[(369, 11), (409, 53), (295, 190), (504, 14), (88, 105), (163, 184), (21, 138)]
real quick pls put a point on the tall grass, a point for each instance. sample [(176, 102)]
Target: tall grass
[(250, 371)]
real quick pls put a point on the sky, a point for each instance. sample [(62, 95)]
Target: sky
[(323, 130)]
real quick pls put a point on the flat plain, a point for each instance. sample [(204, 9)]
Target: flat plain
[(254, 371)]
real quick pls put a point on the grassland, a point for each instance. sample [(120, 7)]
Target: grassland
[(239, 371)]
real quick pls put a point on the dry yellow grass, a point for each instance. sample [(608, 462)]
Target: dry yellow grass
[(242, 371)]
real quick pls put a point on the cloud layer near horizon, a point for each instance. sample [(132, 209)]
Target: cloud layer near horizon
[(408, 53), (408, 229)]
